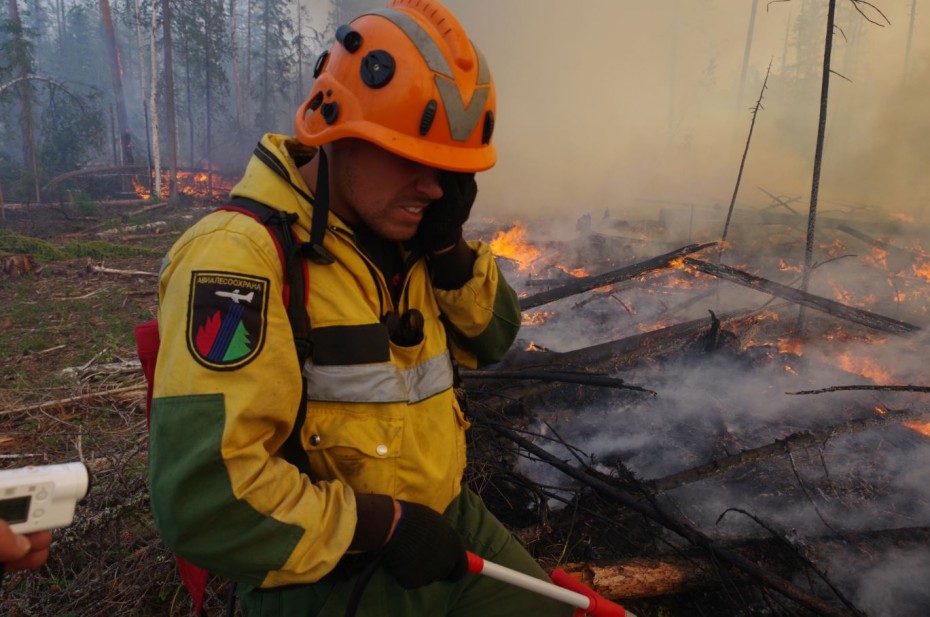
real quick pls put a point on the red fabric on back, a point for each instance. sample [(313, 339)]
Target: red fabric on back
[(147, 342), (195, 579)]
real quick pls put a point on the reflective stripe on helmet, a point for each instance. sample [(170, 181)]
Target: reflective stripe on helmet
[(462, 119)]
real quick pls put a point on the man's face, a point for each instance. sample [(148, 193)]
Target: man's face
[(385, 192)]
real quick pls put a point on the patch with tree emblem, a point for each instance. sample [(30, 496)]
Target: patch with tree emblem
[(226, 317)]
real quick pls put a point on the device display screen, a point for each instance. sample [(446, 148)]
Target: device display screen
[(15, 510)]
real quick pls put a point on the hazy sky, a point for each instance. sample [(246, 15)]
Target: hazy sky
[(623, 101), (613, 103)]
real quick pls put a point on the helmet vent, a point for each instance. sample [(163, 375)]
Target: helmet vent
[(316, 101), (377, 68), (320, 62), (330, 112), (488, 129), (429, 114), (349, 38)]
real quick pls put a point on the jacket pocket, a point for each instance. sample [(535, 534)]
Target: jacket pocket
[(358, 449)]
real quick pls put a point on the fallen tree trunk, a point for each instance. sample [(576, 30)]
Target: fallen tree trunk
[(647, 577), (582, 378), (831, 307), (588, 283), (613, 355), (792, 443)]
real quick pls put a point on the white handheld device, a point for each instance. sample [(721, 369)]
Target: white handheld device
[(41, 497)]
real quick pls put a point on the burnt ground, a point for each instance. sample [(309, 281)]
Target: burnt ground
[(69, 391)]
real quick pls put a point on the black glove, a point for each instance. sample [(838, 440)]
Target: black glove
[(442, 222), (424, 548)]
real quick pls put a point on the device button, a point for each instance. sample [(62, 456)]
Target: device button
[(42, 494), (38, 513)]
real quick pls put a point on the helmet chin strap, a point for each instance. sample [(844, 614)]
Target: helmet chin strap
[(314, 249)]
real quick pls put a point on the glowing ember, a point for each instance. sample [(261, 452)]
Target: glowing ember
[(535, 318), (921, 427), (512, 245), (922, 270), (867, 367), (786, 267), (791, 345)]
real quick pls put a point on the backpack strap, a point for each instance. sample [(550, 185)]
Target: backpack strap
[(278, 223)]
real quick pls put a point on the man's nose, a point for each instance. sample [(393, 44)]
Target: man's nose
[(428, 182)]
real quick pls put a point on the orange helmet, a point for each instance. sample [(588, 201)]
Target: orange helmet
[(407, 79)]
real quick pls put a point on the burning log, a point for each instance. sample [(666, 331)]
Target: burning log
[(679, 527), (646, 577), (794, 442), (616, 354), (831, 307), (588, 283)]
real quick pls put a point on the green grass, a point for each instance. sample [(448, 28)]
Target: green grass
[(44, 252)]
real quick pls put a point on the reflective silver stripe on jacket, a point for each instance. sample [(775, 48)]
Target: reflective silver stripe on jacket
[(378, 383)]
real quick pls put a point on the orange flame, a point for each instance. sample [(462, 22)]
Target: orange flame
[(535, 318), (193, 183), (512, 245)]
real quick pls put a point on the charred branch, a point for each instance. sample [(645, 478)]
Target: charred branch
[(695, 537), (588, 283), (803, 298), (864, 387), (585, 379), (792, 443)]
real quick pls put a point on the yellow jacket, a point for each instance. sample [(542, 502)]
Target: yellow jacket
[(381, 418)]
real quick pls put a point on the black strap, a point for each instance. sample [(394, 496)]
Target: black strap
[(314, 249), (279, 225)]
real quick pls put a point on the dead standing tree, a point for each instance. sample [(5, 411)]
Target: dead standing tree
[(821, 133), (116, 75)]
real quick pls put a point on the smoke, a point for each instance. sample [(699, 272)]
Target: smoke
[(619, 104)]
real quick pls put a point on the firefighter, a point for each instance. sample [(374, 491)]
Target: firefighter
[(381, 177)]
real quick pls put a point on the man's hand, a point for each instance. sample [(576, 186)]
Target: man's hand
[(442, 222), (22, 552), (424, 548), (416, 544)]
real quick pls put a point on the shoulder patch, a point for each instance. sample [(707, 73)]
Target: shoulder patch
[(226, 316)]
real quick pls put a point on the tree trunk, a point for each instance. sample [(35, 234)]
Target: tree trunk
[(190, 102), (298, 96), (153, 106), (818, 158), (266, 41), (910, 36), (206, 61), (746, 51), (116, 75), (27, 122), (248, 63), (143, 82), (234, 52), (170, 113)]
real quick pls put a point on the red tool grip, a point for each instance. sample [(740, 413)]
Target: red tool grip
[(600, 606), (475, 563)]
